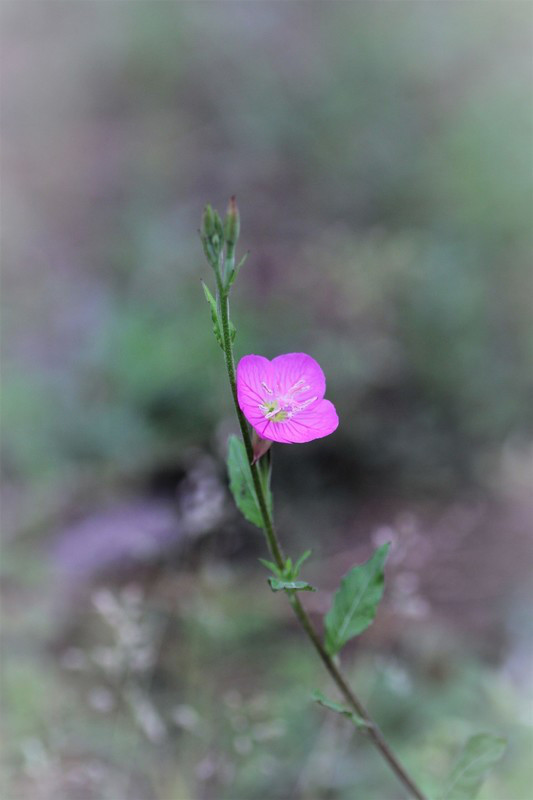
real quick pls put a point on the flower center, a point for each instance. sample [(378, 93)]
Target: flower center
[(280, 407)]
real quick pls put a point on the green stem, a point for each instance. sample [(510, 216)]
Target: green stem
[(274, 545)]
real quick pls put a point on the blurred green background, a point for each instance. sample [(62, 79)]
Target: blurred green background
[(381, 156)]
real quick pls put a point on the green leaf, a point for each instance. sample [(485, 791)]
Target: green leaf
[(233, 274), (214, 315), (241, 483), (298, 565), (264, 466), (271, 566), (322, 700), (278, 585), (355, 602), (232, 331), (479, 755), (288, 574)]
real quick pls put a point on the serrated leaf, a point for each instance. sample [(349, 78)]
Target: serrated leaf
[(241, 483), (279, 585), (322, 700), (214, 315), (355, 602), (479, 755)]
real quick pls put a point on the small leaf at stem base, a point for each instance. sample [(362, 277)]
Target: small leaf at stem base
[(322, 700), (271, 566), (280, 585)]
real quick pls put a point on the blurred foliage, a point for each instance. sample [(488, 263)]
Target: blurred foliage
[(380, 155), (380, 173), (237, 719)]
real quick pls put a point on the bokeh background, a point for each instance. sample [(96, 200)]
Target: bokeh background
[(381, 155)]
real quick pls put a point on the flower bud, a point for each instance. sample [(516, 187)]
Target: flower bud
[(208, 222), (212, 235), (232, 223), (260, 446), (219, 230)]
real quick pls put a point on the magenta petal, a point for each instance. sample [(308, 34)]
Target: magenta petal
[(290, 387), (292, 369), (253, 373), (314, 422)]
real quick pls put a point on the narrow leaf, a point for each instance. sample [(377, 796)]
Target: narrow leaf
[(264, 465), (271, 566), (233, 274), (278, 585), (355, 602), (240, 482), (322, 700), (298, 565), (214, 315), (480, 753)]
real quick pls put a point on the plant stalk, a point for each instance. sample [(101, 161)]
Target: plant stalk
[(275, 548)]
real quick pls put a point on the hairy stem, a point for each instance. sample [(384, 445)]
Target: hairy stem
[(274, 545)]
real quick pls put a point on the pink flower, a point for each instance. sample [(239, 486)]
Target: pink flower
[(283, 399)]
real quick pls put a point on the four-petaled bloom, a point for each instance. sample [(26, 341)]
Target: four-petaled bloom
[(283, 399)]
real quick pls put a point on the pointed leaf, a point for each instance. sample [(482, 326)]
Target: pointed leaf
[(214, 315), (241, 483), (264, 467), (355, 602), (233, 274), (480, 753), (322, 700), (261, 448), (298, 565), (278, 585), (271, 566)]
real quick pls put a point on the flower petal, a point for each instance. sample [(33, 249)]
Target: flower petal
[(295, 369), (318, 420), (252, 372)]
